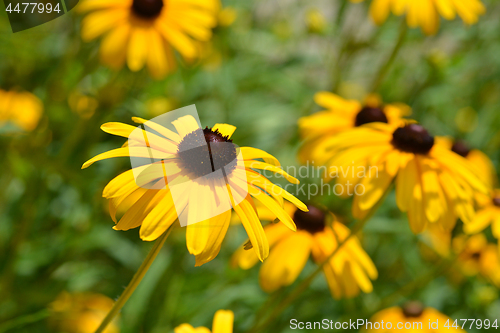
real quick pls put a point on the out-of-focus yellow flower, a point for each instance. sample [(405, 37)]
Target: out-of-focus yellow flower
[(155, 209), (488, 214), (315, 21), (426, 13), (348, 272), (341, 115), (223, 323), (82, 105), (21, 108), (481, 163), (81, 313), (477, 256), (227, 16), (466, 119), (145, 32), (160, 105), (438, 239), (433, 184), (412, 317)]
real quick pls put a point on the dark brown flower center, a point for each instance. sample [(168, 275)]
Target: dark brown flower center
[(496, 201), (203, 152), (312, 221), (476, 255), (147, 8), (413, 309), (412, 138), (460, 148), (369, 114)]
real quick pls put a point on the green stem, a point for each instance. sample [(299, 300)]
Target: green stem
[(24, 320), (134, 283), (403, 30)]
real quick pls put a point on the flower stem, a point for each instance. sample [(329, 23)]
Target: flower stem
[(403, 29), (135, 282)]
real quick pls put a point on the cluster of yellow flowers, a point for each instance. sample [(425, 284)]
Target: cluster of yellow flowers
[(437, 181)]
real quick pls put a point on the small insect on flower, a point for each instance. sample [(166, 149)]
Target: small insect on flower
[(433, 184), (23, 109), (318, 235), (145, 32), (411, 317), (198, 177), (426, 13), (223, 323), (81, 313), (340, 115)]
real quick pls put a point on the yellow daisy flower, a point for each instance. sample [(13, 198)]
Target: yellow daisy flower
[(485, 169), (81, 313), (341, 115), (477, 256), (488, 214), (433, 184), (425, 13), (21, 108), (223, 323), (349, 271), (158, 207), (412, 317), (145, 32)]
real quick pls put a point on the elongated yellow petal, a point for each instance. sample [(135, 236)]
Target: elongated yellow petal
[(225, 129), (223, 322)]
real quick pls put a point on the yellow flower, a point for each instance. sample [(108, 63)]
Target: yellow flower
[(81, 313), (21, 108), (223, 323), (433, 184), (158, 207), (145, 32), (348, 272), (488, 214), (425, 13), (412, 317), (477, 256), (315, 21), (341, 115), (227, 16), (482, 164)]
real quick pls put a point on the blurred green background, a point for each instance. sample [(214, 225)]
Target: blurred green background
[(260, 75)]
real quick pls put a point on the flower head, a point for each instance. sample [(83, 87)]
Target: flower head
[(81, 313), (145, 32), (433, 184), (426, 13), (198, 177), (23, 109), (223, 323), (411, 317), (318, 235), (341, 115)]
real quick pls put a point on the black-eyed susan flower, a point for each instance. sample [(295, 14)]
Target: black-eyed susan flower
[(21, 108), (485, 169), (426, 13), (81, 313), (340, 115), (199, 177), (223, 323), (487, 214), (145, 32), (411, 317), (318, 234), (476, 256), (433, 184)]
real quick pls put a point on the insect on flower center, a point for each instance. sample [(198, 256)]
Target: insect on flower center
[(460, 148), (312, 221), (147, 8), (203, 152), (370, 114), (496, 201), (412, 138), (413, 309)]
